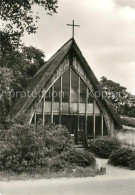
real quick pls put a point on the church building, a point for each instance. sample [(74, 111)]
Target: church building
[(65, 91)]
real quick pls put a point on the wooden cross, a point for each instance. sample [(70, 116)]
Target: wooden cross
[(73, 25)]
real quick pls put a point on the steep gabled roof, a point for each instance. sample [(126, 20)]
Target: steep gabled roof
[(43, 75)]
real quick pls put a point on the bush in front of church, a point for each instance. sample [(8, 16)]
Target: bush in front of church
[(78, 157), (123, 157), (103, 147), (26, 147)]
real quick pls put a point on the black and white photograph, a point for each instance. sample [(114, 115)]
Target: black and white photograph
[(67, 97)]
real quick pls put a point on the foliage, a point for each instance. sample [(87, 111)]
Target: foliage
[(6, 78), (26, 147), (17, 15), (128, 121), (123, 157), (78, 157), (56, 164), (104, 147), (17, 69), (123, 101), (57, 139)]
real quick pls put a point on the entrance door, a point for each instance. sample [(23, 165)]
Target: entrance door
[(81, 129), (74, 127)]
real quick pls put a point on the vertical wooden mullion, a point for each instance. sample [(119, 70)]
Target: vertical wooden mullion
[(69, 103), (52, 95), (94, 120), (102, 125), (78, 109), (86, 105), (43, 110), (69, 89), (60, 108), (35, 118)]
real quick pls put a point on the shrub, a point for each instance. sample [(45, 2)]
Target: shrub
[(78, 157), (57, 138), (57, 164), (104, 147), (123, 157), (27, 147)]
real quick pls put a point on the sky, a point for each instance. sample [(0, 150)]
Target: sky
[(106, 35)]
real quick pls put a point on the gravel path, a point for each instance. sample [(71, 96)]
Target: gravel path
[(117, 181)]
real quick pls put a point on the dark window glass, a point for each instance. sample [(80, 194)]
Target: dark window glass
[(82, 92), (82, 97), (98, 125), (48, 101), (48, 96), (74, 87), (90, 97), (73, 124), (81, 128), (65, 86), (56, 119), (47, 119), (39, 118), (82, 123), (90, 126), (105, 132), (56, 96), (65, 121)]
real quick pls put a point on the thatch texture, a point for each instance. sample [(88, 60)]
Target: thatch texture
[(43, 75)]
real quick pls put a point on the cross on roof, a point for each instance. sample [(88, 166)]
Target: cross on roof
[(73, 25)]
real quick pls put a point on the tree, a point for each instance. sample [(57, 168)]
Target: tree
[(6, 78), (118, 95), (17, 16), (17, 69)]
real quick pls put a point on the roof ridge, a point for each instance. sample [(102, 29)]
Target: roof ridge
[(45, 65)]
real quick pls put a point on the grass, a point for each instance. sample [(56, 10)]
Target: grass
[(69, 173), (127, 121), (127, 137)]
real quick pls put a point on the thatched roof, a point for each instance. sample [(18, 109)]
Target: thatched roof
[(43, 75)]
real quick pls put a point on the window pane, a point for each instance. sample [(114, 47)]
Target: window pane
[(97, 111), (73, 124), (90, 108), (98, 125), (74, 92), (82, 91), (82, 96), (90, 97), (56, 96), (65, 92), (105, 132), (48, 100), (90, 126), (56, 119), (65, 121), (56, 93), (48, 96), (39, 118), (81, 128), (47, 119), (73, 107), (74, 87), (65, 86), (39, 109)]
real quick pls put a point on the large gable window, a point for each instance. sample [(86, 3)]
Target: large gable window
[(69, 102)]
